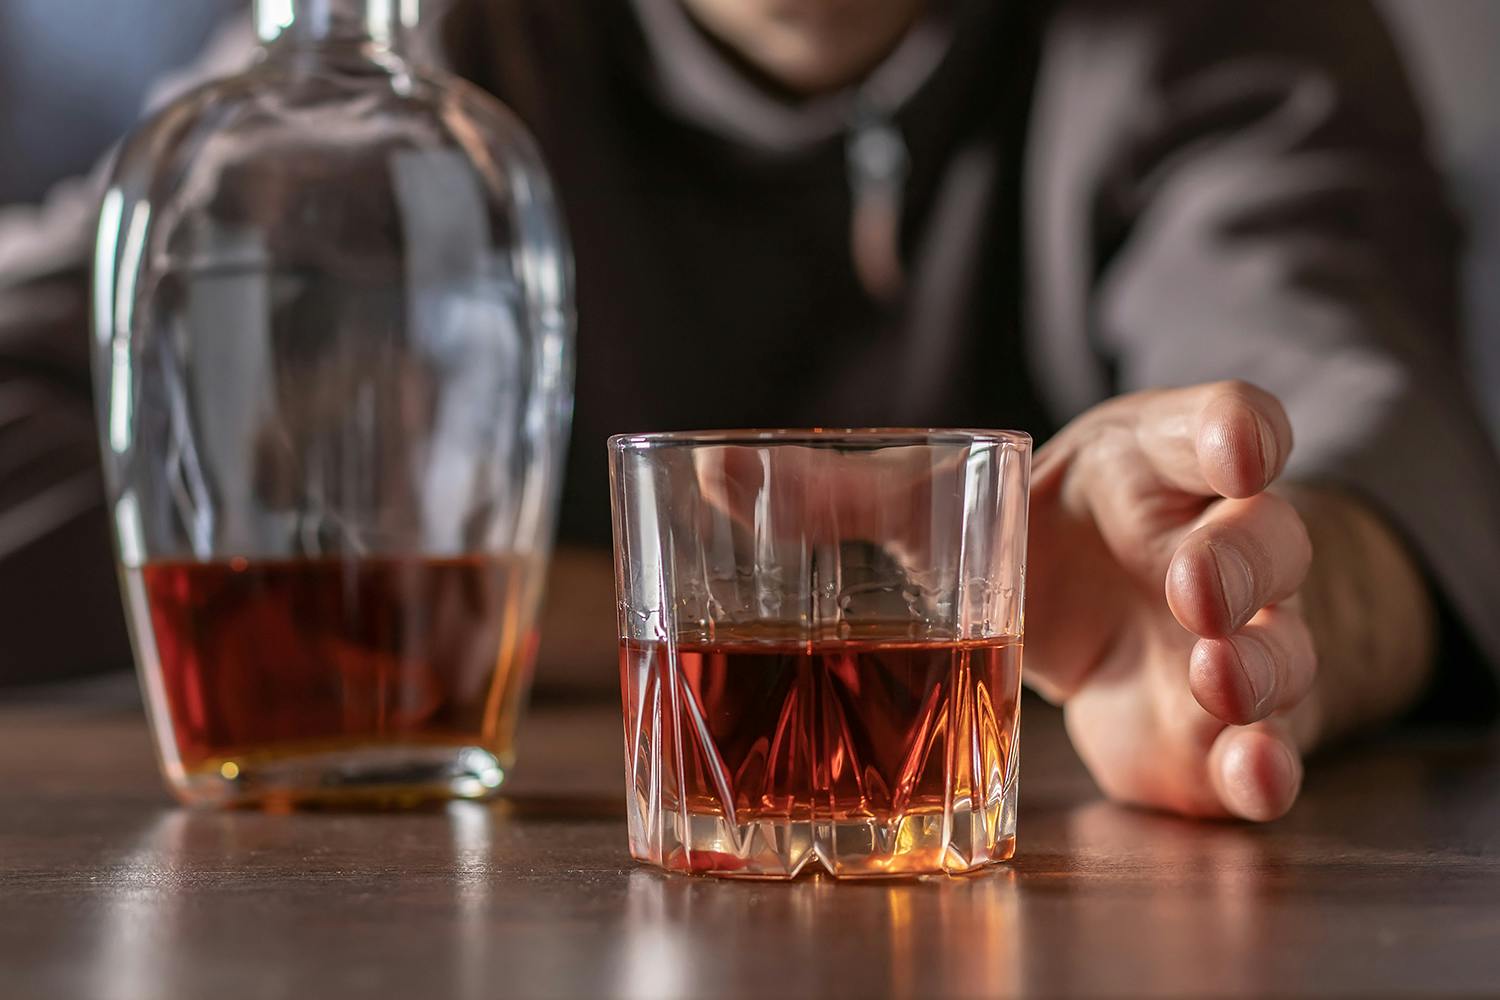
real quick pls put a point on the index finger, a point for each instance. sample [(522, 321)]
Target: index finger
[(1228, 439)]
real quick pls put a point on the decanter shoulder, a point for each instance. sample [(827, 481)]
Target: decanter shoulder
[(322, 161)]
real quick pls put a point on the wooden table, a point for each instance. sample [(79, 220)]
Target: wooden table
[(1386, 878)]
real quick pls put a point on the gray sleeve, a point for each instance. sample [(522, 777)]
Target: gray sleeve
[(1223, 190)]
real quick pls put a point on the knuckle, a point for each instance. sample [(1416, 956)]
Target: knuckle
[(1296, 656), (1281, 533), (1285, 525), (1275, 508), (1302, 642), (1303, 543)]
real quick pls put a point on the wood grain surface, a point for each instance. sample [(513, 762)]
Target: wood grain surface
[(1384, 880)]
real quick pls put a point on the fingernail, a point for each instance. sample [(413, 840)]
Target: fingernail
[(1235, 583), (1293, 768), (1256, 667), (1268, 449)]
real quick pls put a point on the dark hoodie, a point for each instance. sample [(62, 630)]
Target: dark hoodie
[(1028, 208)]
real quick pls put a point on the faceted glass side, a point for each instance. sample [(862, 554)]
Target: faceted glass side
[(867, 758)]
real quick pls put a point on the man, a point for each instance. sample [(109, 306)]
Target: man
[(1181, 230)]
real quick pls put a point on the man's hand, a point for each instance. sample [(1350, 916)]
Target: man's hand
[(1162, 607), (1173, 606)]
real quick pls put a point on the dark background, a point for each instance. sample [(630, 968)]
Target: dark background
[(74, 73)]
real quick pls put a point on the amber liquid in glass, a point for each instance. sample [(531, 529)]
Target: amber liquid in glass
[(265, 660), (876, 753)]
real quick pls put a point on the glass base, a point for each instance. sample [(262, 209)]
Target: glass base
[(964, 841), (356, 777), (857, 757)]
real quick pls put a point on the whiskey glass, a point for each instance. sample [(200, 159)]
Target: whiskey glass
[(820, 648)]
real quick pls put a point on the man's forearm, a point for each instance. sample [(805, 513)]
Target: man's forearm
[(1370, 614)]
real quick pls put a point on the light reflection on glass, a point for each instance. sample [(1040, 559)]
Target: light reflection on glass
[(469, 827), (685, 936), (110, 210), (656, 958), (186, 904), (141, 913)]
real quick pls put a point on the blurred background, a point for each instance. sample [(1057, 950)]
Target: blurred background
[(95, 60)]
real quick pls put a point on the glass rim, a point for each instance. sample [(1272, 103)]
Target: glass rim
[(826, 436)]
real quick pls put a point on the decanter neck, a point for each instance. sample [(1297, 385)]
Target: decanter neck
[(381, 23)]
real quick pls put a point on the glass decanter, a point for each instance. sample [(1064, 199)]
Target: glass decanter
[(333, 335)]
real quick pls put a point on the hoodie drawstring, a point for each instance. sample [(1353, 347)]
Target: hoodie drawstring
[(878, 165)]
